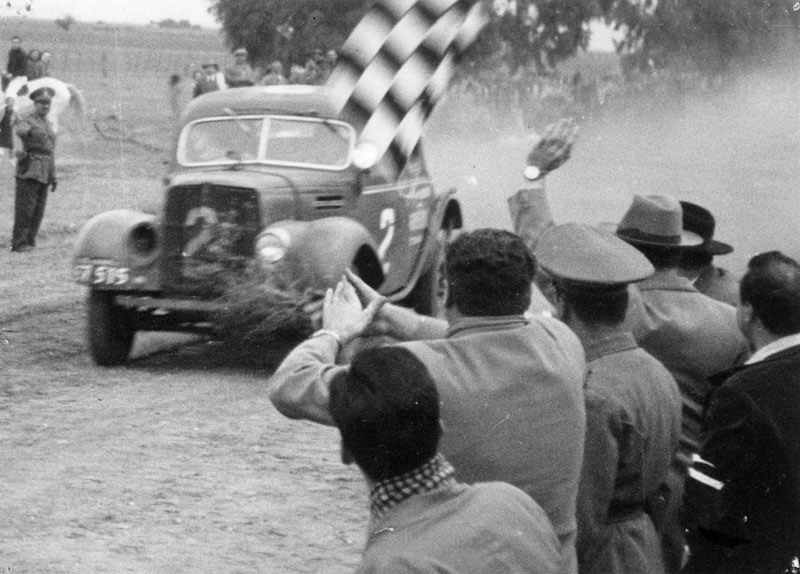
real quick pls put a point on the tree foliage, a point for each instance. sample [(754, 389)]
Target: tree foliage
[(65, 23), (287, 30), (534, 32), (708, 34), (527, 34)]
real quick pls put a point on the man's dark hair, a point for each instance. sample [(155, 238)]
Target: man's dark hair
[(489, 273), (771, 286), (386, 407), (600, 307), (661, 257)]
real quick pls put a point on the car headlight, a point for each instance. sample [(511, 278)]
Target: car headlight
[(271, 246), (143, 239)]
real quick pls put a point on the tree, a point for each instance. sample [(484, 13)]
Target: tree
[(287, 30), (711, 35), (65, 23), (537, 32)]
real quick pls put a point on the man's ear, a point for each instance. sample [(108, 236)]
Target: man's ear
[(745, 318), (347, 458)]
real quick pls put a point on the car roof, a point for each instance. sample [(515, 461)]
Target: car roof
[(294, 99)]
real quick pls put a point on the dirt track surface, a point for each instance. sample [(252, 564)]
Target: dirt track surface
[(177, 463)]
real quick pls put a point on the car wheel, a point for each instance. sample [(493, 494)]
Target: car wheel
[(429, 293), (111, 329)]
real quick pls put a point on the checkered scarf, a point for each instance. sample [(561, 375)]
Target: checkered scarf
[(434, 474), (396, 65)]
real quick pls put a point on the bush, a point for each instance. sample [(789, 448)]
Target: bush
[(266, 314)]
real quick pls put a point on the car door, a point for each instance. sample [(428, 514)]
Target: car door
[(396, 210)]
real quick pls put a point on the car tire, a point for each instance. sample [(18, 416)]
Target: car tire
[(428, 295), (111, 329)]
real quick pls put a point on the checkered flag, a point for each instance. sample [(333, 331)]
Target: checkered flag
[(396, 65)]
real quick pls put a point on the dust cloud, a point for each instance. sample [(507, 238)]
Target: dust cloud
[(735, 150)]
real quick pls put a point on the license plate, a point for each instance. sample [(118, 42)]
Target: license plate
[(106, 275)]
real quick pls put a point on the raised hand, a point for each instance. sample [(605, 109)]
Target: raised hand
[(344, 314), (554, 147)]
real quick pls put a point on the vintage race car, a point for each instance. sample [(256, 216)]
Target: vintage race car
[(265, 174)]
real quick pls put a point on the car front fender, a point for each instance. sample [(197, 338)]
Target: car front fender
[(107, 241), (318, 252)]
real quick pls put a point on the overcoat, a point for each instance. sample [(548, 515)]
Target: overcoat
[(479, 529), (752, 439), (633, 424)]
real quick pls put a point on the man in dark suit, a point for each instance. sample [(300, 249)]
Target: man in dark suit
[(743, 501), (17, 62)]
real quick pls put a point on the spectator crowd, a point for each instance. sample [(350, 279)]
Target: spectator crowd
[(208, 77), (596, 400)]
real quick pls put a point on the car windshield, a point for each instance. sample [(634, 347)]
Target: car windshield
[(280, 140)]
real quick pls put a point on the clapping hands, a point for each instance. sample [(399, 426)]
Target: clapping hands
[(350, 312)]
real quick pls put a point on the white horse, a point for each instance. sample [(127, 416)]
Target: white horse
[(66, 96)]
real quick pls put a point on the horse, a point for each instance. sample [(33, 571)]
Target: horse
[(66, 95)]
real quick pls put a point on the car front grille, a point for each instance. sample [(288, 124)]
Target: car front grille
[(209, 235)]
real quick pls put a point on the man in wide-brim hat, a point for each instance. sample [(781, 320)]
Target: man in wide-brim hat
[(628, 394), (697, 263), (693, 335)]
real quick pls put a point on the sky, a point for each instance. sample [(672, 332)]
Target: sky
[(133, 11), (146, 11)]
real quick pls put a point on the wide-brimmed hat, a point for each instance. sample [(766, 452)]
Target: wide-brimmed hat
[(699, 220), (656, 220), (210, 65), (240, 52), (585, 258), (43, 94)]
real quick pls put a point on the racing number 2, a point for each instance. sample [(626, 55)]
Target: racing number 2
[(387, 222)]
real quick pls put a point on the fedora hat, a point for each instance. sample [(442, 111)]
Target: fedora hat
[(586, 258), (656, 220), (699, 220)]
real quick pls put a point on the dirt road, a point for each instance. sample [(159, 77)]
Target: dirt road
[(177, 463)]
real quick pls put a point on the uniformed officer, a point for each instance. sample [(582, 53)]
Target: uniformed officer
[(629, 395), (36, 170)]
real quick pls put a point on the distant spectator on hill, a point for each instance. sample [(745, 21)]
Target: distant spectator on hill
[(33, 66), (240, 73), (274, 76), (297, 75), (325, 65), (17, 60), (175, 94), (6, 123), (211, 81), (47, 60)]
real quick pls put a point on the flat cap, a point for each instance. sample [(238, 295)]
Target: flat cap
[(589, 258)]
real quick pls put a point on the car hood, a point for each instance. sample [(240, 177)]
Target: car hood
[(265, 179)]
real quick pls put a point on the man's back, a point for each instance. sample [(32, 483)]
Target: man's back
[(512, 408), (693, 335), (489, 528), (633, 412)]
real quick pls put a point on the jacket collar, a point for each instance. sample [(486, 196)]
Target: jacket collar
[(666, 280), (602, 346), (503, 322), (719, 378), (774, 348)]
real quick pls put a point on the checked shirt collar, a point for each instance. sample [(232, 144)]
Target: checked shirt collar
[(434, 474)]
